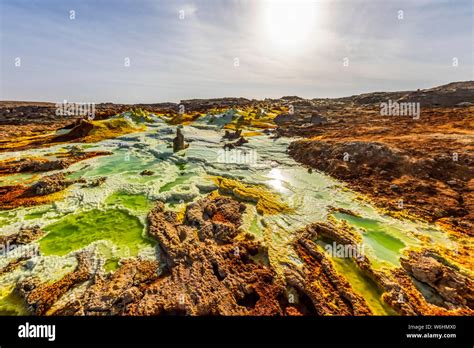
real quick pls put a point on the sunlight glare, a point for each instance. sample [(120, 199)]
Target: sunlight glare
[(289, 23), (277, 180)]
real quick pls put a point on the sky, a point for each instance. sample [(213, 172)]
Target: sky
[(144, 51)]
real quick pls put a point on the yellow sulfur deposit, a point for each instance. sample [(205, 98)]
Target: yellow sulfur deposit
[(112, 128), (266, 201)]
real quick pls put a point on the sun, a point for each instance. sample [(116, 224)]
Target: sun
[(288, 24)]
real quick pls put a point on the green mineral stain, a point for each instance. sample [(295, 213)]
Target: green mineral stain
[(6, 219), (76, 231), (254, 226), (112, 257), (130, 201), (36, 214), (178, 181), (4, 222), (367, 224)]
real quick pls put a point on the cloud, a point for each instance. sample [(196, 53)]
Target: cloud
[(173, 58)]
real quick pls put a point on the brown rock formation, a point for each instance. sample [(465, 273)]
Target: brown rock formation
[(399, 289), (207, 270), (25, 165), (436, 188), (400, 292), (218, 219), (40, 297), (80, 129), (455, 288), (342, 234), (35, 165), (46, 190), (49, 184), (147, 172), (114, 294), (178, 141), (235, 144), (208, 267), (232, 135)]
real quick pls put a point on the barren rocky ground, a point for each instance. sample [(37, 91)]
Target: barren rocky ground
[(423, 167)]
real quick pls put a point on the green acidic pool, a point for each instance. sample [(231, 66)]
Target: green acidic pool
[(76, 231), (360, 282), (385, 246), (363, 285)]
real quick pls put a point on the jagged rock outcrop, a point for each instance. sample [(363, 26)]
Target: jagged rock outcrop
[(284, 118), (455, 288), (235, 144), (452, 289), (435, 188), (347, 160), (266, 201), (232, 135), (147, 172), (114, 294), (40, 297), (401, 293), (96, 182)]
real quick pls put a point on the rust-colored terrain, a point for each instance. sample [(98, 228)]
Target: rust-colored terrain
[(205, 270), (422, 166), (415, 166)]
